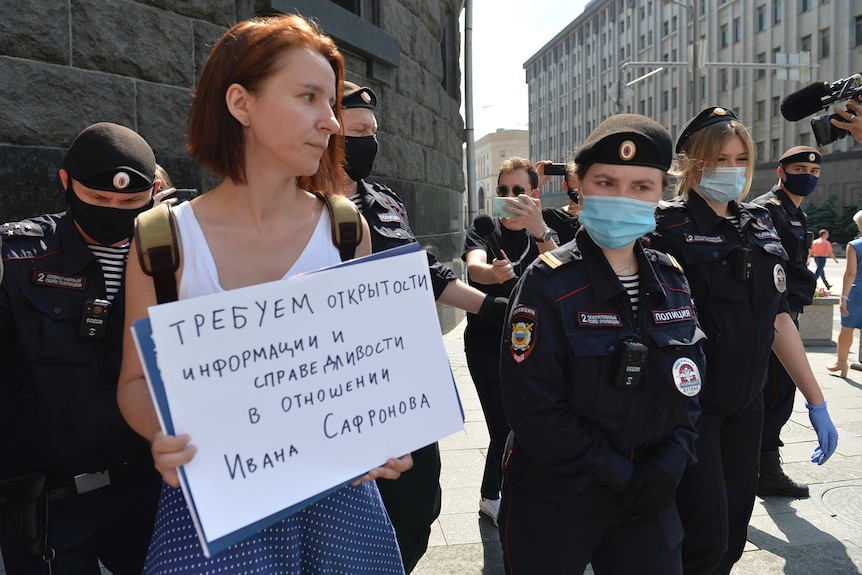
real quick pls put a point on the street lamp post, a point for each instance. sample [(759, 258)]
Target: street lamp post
[(695, 39)]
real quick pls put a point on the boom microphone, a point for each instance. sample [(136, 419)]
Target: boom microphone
[(809, 100)]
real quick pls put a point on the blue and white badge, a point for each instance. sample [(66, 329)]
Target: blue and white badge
[(686, 377), (779, 276)]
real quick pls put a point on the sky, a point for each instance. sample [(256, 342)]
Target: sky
[(506, 33)]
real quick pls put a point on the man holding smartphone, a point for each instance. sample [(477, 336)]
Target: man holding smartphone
[(520, 238)]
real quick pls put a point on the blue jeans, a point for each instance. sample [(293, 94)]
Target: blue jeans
[(820, 261)]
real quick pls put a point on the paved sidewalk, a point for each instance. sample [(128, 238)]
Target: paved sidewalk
[(821, 535)]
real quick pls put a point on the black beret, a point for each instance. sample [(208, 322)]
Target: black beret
[(627, 140), (800, 154), (111, 158), (358, 96), (708, 117)]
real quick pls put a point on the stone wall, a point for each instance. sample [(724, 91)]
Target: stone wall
[(65, 64)]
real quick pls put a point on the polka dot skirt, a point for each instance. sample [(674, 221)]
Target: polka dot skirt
[(346, 533)]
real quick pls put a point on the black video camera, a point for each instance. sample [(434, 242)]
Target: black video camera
[(819, 96)]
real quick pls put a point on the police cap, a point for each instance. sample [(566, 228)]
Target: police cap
[(708, 117), (111, 158), (800, 154), (358, 96), (627, 140)]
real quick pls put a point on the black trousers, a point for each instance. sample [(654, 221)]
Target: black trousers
[(413, 503), (716, 495), (112, 525), (485, 371), (779, 391)]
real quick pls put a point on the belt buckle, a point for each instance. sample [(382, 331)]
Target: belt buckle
[(86, 482)]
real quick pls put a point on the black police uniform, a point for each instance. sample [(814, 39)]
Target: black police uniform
[(58, 404), (562, 222), (578, 435), (482, 345), (779, 390), (739, 285), (413, 502)]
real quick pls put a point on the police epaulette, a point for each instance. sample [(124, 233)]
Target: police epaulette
[(775, 201), (558, 257), (23, 228), (675, 203), (665, 259)]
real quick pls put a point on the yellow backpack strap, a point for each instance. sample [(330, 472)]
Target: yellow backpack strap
[(346, 224), (158, 250)]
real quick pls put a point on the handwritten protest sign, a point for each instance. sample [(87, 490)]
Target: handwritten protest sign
[(290, 389)]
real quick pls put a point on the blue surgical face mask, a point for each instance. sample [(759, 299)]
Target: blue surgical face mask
[(615, 222), (722, 185), (800, 184)]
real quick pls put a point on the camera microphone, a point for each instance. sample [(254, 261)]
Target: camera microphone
[(485, 227), (804, 102)]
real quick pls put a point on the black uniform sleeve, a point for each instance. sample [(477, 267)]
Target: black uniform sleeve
[(535, 399)]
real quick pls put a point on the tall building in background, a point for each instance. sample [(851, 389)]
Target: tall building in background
[(635, 56), (491, 150)]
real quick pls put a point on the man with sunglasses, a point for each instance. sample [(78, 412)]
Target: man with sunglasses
[(562, 220), (520, 238)]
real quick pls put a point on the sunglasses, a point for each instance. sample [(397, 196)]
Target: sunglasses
[(503, 191)]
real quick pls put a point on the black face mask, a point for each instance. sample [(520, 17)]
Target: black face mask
[(105, 225), (360, 151)]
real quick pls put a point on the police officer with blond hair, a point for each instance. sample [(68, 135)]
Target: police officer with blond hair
[(77, 485)]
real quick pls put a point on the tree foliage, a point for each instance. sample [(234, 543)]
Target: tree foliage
[(841, 228)]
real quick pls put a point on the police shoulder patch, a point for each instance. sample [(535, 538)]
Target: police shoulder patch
[(523, 325)]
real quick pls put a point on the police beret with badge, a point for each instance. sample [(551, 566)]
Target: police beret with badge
[(111, 158), (708, 117), (356, 96), (800, 154), (627, 140)]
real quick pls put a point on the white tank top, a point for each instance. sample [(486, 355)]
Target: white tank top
[(200, 276)]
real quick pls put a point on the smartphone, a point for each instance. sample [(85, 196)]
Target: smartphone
[(555, 169), (497, 209), (183, 194)]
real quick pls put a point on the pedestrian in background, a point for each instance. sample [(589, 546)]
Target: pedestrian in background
[(263, 118), (519, 239), (601, 364), (798, 173), (821, 248), (89, 478), (850, 306), (735, 264)]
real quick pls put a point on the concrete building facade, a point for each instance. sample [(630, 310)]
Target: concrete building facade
[(580, 76), (65, 65), (491, 150)]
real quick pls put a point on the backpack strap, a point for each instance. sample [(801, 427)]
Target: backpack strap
[(158, 250), (346, 224)]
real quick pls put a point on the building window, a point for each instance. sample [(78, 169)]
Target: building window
[(858, 30), (736, 76), (673, 24), (758, 149), (776, 148), (761, 73), (775, 52), (804, 5), (776, 11), (665, 28), (724, 80), (724, 39), (805, 43), (776, 106), (760, 111), (665, 101), (673, 100), (737, 30), (804, 139), (761, 18), (824, 43)]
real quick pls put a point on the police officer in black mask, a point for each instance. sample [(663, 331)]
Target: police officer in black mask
[(413, 501), (77, 485)]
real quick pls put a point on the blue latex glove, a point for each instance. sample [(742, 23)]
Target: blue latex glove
[(827, 435)]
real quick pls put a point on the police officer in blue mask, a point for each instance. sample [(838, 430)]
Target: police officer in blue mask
[(798, 173), (737, 268), (601, 365)]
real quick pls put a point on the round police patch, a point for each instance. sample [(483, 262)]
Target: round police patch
[(627, 150), (122, 180), (686, 377), (523, 324), (779, 276)]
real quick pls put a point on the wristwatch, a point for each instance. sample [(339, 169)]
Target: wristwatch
[(549, 233)]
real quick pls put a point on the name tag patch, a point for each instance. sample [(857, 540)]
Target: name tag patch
[(765, 235), (599, 319), (699, 239), (673, 315), (388, 218), (52, 279), (523, 325)]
